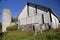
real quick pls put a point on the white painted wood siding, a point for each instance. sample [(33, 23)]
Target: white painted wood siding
[(23, 21), (23, 13), (33, 17), (29, 20), (54, 22), (37, 19), (32, 10), (46, 17)]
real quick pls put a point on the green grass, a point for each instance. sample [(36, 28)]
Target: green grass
[(18, 35)]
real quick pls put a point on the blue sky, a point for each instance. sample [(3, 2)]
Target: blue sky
[(17, 5)]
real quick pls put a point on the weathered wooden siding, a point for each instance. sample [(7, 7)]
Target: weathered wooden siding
[(54, 22), (33, 17), (32, 10), (29, 20), (47, 18), (22, 17), (23, 13), (37, 16), (23, 21)]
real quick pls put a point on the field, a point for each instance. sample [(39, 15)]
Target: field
[(19, 35)]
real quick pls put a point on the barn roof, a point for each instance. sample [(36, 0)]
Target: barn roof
[(43, 7)]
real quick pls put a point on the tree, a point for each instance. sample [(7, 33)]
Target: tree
[(0, 25), (14, 19), (59, 21)]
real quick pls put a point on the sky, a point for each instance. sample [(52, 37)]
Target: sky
[(17, 5)]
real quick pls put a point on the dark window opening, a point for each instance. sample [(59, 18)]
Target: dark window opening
[(33, 28), (42, 18), (49, 27), (36, 8), (28, 9), (50, 15)]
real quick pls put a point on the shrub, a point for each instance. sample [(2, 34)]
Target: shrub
[(14, 20), (12, 28)]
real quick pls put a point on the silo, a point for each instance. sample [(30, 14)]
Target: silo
[(6, 19)]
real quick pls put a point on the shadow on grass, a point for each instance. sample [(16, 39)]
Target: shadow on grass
[(1, 35)]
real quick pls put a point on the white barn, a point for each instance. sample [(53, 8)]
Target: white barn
[(34, 14)]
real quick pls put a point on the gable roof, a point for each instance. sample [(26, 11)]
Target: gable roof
[(43, 7)]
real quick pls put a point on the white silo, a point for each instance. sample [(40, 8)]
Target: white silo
[(6, 19)]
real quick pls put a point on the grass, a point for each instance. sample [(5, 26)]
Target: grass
[(19, 35)]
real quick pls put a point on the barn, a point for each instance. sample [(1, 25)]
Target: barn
[(34, 17)]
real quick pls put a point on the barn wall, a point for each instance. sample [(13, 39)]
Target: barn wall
[(29, 20), (47, 17), (45, 12), (33, 18), (22, 17), (23, 21), (32, 10), (54, 21), (38, 16), (37, 19), (23, 13)]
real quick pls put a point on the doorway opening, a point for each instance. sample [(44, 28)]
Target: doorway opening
[(33, 28)]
